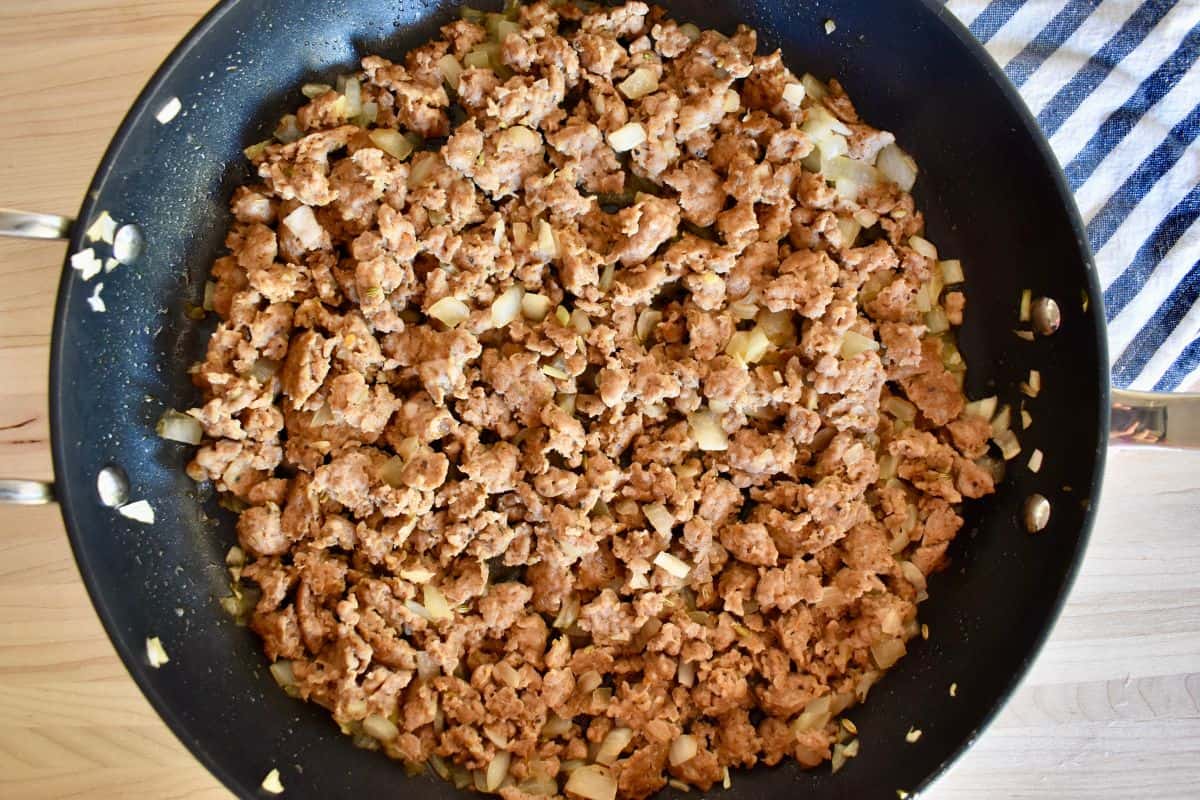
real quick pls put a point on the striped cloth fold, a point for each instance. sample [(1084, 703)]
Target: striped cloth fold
[(1115, 85)]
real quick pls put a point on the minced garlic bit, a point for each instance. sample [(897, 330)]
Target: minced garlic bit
[(954, 690), (1035, 461), (830, 27), (901, 794), (913, 735), (155, 653), (924, 631), (95, 301), (272, 784), (169, 111), (849, 725)]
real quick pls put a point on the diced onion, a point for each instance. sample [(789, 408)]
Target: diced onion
[(1009, 446), (480, 57), (830, 27), (450, 311), (271, 784), (581, 322), (303, 224), (435, 603), (854, 343), (86, 262), (690, 31), (985, 408), (707, 431), (352, 91), (1033, 386), (392, 142), (610, 749), (555, 726), (627, 137), (913, 735), (848, 229), (497, 770), (380, 727), (641, 82), (913, 575), (422, 168), (288, 130), (686, 673), (507, 307), (1002, 420), (923, 246), (936, 320), (156, 654), (138, 511), (813, 87), (952, 271), (535, 307), (1035, 461), (256, 150), (451, 69), (733, 101), (661, 519), (314, 90), (841, 168), (647, 321), (417, 575), (672, 565), (547, 242), (897, 166), (1026, 419), (283, 674), (814, 716), (592, 782), (793, 93), (683, 749), (900, 408), (887, 652), (606, 277), (778, 326), (748, 347), (568, 613), (178, 427)]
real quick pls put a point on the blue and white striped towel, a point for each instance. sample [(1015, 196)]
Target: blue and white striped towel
[(1115, 85)]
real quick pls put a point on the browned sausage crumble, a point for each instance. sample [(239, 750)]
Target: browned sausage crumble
[(589, 397)]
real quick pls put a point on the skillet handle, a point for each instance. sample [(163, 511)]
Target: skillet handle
[(26, 225), (1150, 418)]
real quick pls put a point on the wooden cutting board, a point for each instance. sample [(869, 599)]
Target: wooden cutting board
[(1110, 710)]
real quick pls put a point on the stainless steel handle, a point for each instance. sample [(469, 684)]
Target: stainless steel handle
[(25, 225), (25, 493), (1148, 418)]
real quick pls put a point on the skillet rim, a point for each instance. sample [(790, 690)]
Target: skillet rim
[(69, 495)]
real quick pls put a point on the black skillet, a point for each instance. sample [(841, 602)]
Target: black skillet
[(993, 196)]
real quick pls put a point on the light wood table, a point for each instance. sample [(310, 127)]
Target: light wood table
[(1110, 710)]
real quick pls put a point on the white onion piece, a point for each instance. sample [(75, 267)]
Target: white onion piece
[(535, 307), (672, 565), (985, 407), (843, 168), (647, 321), (627, 137), (592, 782), (271, 783), (952, 271), (683, 749), (352, 91), (380, 727), (283, 674), (854, 343), (686, 674), (641, 82), (422, 168), (923, 246), (303, 224), (507, 307), (450, 311), (733, 102), (435, 603), (497, 771), (750, 346), (793, 93), (179, 427), (658, 516), (156, 654), (138, 511), (887, 652), (547, 241), (897, 166), (616, 741), (314, 90), (392, 142), (451, 69), (707, 431), (288, 130)]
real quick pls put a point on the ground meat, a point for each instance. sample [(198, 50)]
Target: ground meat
[(538, 444)]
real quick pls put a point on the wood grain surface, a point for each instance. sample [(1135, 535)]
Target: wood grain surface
[(1110, 710)]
